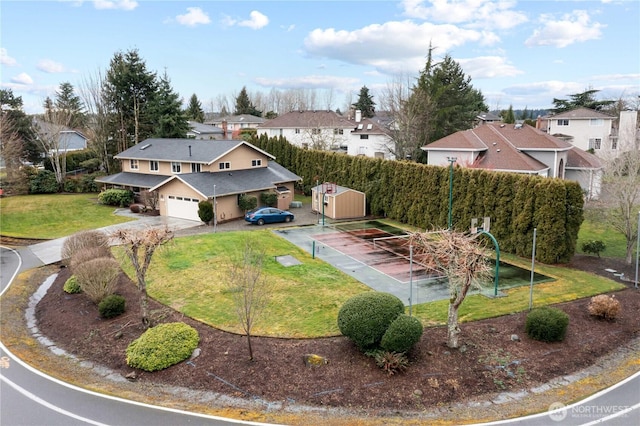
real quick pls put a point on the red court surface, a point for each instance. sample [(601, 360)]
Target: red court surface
[(374, 248)]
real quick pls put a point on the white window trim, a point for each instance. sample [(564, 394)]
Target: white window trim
[(134, 164), (176, 167), (256, 163), (151, 169)]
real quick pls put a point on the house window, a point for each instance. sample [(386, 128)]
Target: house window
[(195, 168), (224, 165), (614, 143), (133, 164), (256, 163), (338, 131), (154, 166), (595, 143), (563, 122), (315, 131), (297, 131), (176, 167), (364, 136), (596, 122)]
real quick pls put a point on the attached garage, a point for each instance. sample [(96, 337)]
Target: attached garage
[(338, 202), (183, 207)]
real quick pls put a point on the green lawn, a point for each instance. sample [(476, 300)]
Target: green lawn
[(50, 216), (595, 227), (190, 276)]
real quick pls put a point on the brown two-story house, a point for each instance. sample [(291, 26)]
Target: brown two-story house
[(184, 172)]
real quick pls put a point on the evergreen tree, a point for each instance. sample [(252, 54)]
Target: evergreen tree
[(16, 130), (508, 116), (128, 88), (244, 105), (194, 110), (165, 111), (585, 99), (365, 103), (71, 104)]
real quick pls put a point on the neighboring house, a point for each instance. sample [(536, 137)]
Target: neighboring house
[(487, 117), (205, 131), (68, 139), (517, 148), (183, 172), (233, 124), (328, 130), (585, 128)]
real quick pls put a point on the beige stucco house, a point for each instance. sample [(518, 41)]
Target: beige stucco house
[(518, 148), (183, 172)]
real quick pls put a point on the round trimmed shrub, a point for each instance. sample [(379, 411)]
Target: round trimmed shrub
[(72, 286), (162, 346), (403, 333), (205, 211), (547, 324), (111, 306), (365, 318)]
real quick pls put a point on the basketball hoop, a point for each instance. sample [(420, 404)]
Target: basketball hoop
[(329, 188), (482, 227)]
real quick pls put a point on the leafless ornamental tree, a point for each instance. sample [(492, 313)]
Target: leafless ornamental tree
[(463, 260), (51, 134), (249, 289), (139, 246)]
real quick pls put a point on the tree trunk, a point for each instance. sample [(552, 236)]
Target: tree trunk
[(144, 309), (453, 331), (250, 348)]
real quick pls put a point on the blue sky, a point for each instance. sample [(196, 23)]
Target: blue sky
[(520, 53)]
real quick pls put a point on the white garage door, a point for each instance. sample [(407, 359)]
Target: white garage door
[(183, 207)]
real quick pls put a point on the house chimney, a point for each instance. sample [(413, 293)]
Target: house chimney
[(538, 122), (189, 150), (358, 116), (224, 129)]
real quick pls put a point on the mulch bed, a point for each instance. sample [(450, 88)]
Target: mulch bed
[(489, 360)]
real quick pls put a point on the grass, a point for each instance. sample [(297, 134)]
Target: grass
[(595, 228), (50, 216), (190, 276)]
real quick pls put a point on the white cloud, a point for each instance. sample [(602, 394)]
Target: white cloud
[(486, 14), (22, 78), (309, 82), (194, 16), (488, 67), (49, 66), (288, 28), (392, 47), (5, 59), (571, 28), (256, 21), (115, 4)]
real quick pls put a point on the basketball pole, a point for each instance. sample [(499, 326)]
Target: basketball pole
[(533, 261), (410, 277)]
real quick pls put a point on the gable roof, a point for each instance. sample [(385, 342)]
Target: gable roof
[(240, 118), (200, 128), (502, 147), (184, 150), (582, 113), (234, 182), (368, 126), (307, 119)]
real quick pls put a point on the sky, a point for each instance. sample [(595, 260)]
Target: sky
[(517, 53)]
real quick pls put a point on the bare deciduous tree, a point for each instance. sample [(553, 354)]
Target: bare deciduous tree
[(249, 289), (462, 259), (53, 138), (93, 95), (139, 246)]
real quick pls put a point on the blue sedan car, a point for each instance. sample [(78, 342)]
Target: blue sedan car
[(264, 215)]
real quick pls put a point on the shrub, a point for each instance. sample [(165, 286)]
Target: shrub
[(594, 247), (89, 182), (605, 307), (547, 324), (116, 197), (81, 241), (162, 346), (269, 199), (89, 253), (71, 286), (391, 362), (403, 333), (91, 165), (98, 277), (205, 211), (111, 306), (365, 318), (247, 203), (43, 182)]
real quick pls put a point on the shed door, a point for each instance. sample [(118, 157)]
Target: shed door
[(183, 207)]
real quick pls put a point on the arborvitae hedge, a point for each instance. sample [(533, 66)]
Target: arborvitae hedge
[(418, 195)]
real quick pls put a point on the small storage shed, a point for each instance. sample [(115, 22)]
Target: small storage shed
[(339, 202)]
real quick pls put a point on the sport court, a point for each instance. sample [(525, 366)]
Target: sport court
[(377, 255)]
